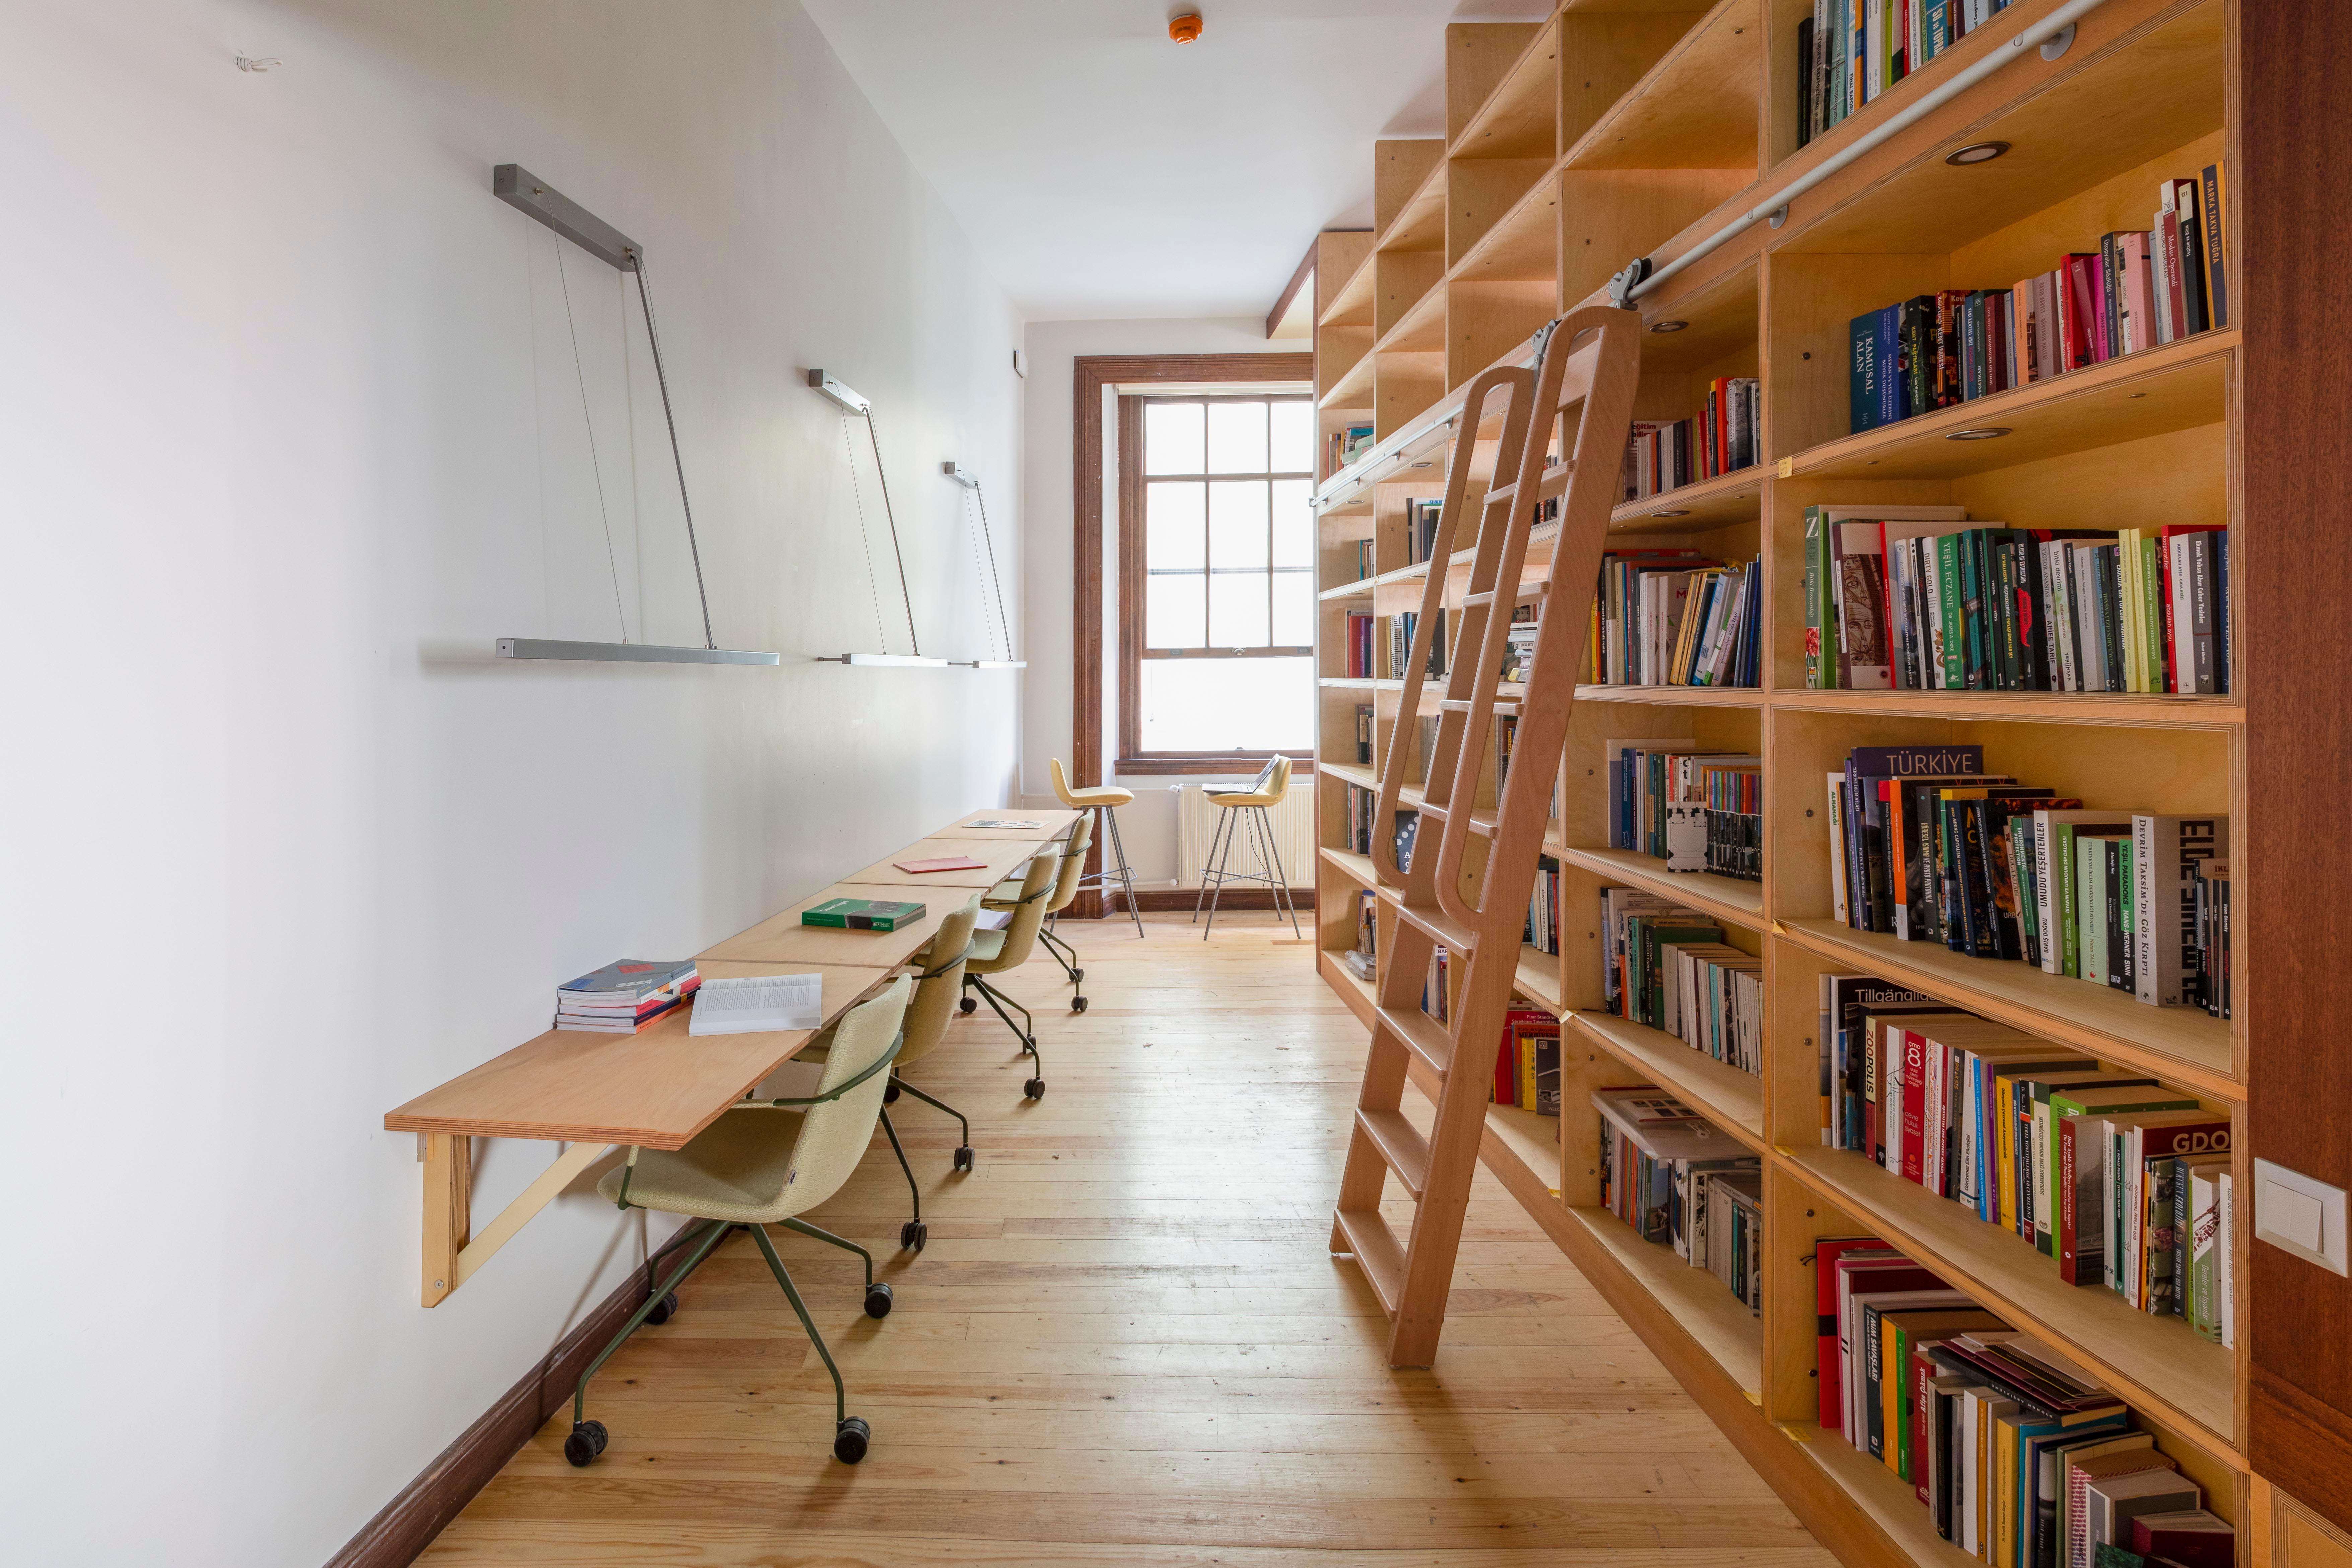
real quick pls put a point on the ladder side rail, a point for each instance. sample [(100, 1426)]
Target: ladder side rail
[(1518, 385)]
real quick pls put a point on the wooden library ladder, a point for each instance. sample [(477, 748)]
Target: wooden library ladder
[(1477, 914)]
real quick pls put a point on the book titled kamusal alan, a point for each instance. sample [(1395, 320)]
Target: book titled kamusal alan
[(863, 913)]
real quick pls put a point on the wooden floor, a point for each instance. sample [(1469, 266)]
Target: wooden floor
[(1128, 1343)]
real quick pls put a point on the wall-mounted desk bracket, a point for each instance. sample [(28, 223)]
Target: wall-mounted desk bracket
[(452, 1252)]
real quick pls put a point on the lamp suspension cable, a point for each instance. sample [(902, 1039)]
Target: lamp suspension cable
[(652, 338), (595, 463), (2053, 35), (914, 639)]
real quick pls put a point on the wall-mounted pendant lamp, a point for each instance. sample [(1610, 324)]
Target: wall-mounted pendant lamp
[(525, 192)]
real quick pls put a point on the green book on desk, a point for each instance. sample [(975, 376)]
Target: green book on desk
[(863, 913)]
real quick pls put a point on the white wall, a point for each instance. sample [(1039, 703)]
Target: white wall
[(288, 433), (1149, 826)]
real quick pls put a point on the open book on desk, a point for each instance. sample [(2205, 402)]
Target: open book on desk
[(754, 1004)]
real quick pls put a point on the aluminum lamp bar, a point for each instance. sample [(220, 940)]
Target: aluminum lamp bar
[(961, 475), (628, 653), (889, 661), (2051, 34), (848, 398), (989, 663), (520, 188)]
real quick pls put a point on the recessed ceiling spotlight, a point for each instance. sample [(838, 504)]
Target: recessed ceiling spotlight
[(1668, 326), (1983, 433), (1670, 514), (1185, 29), (1976, 152)]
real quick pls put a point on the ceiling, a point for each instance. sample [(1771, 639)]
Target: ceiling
[(1104, 172)]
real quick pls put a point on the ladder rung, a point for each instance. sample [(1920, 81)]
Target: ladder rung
[(1553, 481), (1462, 705), (1457, 938), (1528, 591), (1376, 1253), (1401, 1143), (1422, 1035)]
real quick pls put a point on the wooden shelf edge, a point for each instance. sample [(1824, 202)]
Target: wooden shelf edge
[(1546, 36), (2152, 710), (1659, 76), (1340, 301), (1356, 993), (2059, 1023), (1893, 1208), (1699, 890), (1721, 491), (1356, 868), (1713, 1089), (1673, 696)]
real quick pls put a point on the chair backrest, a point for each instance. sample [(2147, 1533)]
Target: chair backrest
[(1021, 935), (1272, 780), (1074, 865), (1062, 782), (939, 985), (833, 1135)]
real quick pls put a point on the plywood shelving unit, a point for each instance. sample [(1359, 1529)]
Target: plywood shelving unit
[(1624, 128)]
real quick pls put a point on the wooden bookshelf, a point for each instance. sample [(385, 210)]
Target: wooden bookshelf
[(1609, 131)]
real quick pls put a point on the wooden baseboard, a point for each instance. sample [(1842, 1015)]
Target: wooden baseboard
[(424, 1508), (1180, 900)]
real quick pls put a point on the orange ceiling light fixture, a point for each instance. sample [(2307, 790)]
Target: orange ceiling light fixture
[(1186, 29)]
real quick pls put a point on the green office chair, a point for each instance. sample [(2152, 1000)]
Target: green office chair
[(1006, 895), (928, 1016), (763, 1163), (994, 951)]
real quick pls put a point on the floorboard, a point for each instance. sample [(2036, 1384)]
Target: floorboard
[(1128, 1343)]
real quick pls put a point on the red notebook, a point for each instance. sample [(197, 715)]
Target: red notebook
[(944, 862)]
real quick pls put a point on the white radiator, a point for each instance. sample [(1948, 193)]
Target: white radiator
[(1293, 822)]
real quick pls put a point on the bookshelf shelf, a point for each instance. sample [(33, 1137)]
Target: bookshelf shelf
[(1732, 1100), (1615, 129), (1694, 1299), (2180, 1045), (2180, 1381), (1724, 897)]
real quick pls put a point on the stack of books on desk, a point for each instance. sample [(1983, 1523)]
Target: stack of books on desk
[(624, 996)]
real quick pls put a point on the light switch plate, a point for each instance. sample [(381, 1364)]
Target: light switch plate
[(2300, 1214)]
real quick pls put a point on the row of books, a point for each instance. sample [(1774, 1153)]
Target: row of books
[(1364, 733), (1923, 598), (1735, 845), (1659, 792), (1679, 1181), (1726, 433), (1636, 929), (1419, 529), (1379, 646), (1673, 618), (1924, 845), (1366, 563), (1849, 52), (1363, 959), (1344, 446), (1543, 908), (2021, 1458), (2117, 1179), (1361, 811), (2139, 289), (1526, 1062), (625, 996)]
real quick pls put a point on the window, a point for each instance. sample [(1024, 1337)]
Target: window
[(1217, 581)]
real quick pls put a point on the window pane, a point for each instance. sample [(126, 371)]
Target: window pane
[(1293, 524), (1237, 610), (1237, 438), (1174, 612), (1172, 438), (1237, 522), (1229, 705), (1175, 524), (1294, 609), (1294, 437)]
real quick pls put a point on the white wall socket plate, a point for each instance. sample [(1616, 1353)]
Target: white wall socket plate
[(2300, 1214)]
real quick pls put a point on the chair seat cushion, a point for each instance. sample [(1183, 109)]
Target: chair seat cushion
[(1100, 794), (1244, 800), (736, 1169), (987, 947)]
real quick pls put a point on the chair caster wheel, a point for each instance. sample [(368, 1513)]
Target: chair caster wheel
[(968, 1006), (890, 1094), (1076, 974), (911, 1235), (587, 1440), (663, 1309), (878, 1305), (850, 1439), (1035, 1089), (964, 1158), (1077, 1003)]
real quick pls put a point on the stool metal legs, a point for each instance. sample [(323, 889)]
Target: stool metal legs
[(1221, 854), (1119, 875)]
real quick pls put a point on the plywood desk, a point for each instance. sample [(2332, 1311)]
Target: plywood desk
[(1054, 824), (660, 1088)]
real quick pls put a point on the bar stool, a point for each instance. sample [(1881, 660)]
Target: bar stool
[(1104, 799), (1265, 793)]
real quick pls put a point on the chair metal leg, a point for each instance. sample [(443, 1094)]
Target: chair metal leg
[(1278, 879), (1208, 866), (998, 1001), (939, 1105), (715, 1234), (827, 1237), (913, 1191), (1224, 861), (1126, 873), (800, 1310)]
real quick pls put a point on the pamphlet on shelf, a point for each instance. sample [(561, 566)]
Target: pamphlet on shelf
[(756, 1004)]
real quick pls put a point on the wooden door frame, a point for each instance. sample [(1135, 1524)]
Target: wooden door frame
[(1090, 373)]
